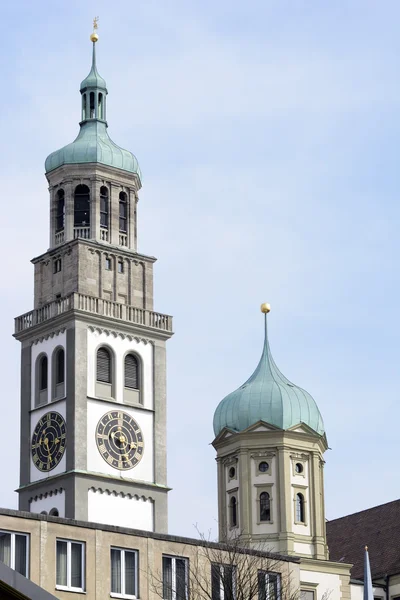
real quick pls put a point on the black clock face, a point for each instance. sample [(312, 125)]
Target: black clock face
[(48, 441), (119, 440)]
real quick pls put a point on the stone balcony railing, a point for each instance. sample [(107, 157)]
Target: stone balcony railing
[(95, 306)]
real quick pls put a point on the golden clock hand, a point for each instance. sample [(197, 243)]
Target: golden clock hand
[(46, 443)]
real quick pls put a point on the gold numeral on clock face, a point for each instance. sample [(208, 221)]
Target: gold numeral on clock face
[(122, 446)]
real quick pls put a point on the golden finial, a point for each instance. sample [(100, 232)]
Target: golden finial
[(265, 308), (94, 37), (366, 548)]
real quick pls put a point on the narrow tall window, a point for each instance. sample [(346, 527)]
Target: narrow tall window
[(101, 110), (60, 365), (269, 586), (233, 511), (92, 108), (104, 207), (83, 107), (57, 265), (58, 371), (82, 206), (14, 551), (124, 573), (123, 212), (70, 570), (223, 582), (43, 374), (175, 578), (104, 365), (60, 210), (300, 514), (265, 507), (131, 372)]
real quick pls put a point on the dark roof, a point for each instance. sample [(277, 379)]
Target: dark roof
[(13, 585), (378, 528)]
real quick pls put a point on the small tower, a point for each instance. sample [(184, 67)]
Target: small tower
[(93, 373), (270, 442)]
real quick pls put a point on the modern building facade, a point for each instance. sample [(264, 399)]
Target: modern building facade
[(93, 510)]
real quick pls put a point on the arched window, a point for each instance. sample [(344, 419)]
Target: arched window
[(300, 516), (82, 206), (104, 207), (101, 111), (58, 370), (60, 366), (233, 511), (92, 108), (41, 378), (104, 374), (265, 507), (123, 212), (60, 210), (83, 107), (131, 372), (54, 512), (43, 374)]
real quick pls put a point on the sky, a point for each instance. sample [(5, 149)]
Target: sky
[(267, 133)]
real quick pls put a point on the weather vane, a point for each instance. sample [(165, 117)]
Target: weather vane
[(94, 37)]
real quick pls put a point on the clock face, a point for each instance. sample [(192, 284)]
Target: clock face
[(119, 440), (48, 441)]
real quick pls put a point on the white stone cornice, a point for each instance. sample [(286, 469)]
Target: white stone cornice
[(123, 336), (52, 334), (46, 495), (111, 492)]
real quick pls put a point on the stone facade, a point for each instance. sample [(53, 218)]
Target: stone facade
[(43, 532), (93, 289), (126, 279), (242, 454)]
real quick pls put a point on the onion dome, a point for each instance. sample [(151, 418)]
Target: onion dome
[(93, 144), (269, 397), (94, 79)]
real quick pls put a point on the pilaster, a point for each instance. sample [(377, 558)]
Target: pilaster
[(95, 207), (114, 214), (26, 382), (69, 210)]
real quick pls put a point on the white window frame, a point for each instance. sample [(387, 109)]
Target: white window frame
[(174, 559), (12, 548), (222, 568), (68, 587), (278, 587), (123, 551)]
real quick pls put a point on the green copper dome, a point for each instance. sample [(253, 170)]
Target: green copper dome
[(267, 396), (93, 144)]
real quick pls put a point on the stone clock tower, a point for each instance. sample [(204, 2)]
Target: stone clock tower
[(93, 376)]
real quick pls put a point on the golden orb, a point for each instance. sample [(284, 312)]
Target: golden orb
[(94, 37), (265, 308)]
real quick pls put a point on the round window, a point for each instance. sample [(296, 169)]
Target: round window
[(299, 468), (263, 467), (232, 472)]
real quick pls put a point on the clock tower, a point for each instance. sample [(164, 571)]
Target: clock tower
[(93, 357)]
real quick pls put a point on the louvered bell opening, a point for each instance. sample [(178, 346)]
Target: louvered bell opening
[(103, 366), (131, 372)]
